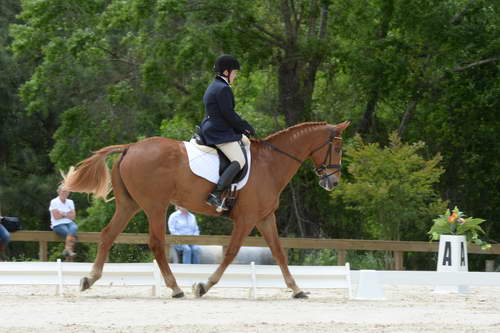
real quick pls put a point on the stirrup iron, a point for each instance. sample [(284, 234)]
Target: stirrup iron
[(222, 207)]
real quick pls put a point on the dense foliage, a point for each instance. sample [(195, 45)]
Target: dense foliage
[(455, 222), (391, 188), (79, 75)]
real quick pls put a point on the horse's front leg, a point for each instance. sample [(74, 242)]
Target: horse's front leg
[(269, 231), (241, 229)]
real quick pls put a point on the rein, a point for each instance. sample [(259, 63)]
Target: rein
[(328, 155), (282, 151)]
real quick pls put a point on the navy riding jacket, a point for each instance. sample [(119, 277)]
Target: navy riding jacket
[(221, 124)]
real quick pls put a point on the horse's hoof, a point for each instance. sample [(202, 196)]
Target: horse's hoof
[(199, 289), (84, 283), (301, 294), (178, 295)]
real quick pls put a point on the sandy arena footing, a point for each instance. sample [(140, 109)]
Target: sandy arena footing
[(132, 309)]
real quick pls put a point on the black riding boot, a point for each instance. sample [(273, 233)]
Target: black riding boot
[(214, 198)]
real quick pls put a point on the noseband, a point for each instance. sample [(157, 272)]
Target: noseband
[(328, 156)]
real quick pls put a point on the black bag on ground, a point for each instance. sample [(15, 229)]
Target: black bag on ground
[(12, 224)]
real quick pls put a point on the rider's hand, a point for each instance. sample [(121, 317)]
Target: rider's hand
[(250, 132)]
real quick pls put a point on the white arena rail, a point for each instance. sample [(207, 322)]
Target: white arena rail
[(432, 278), (61, 274), (251, 276)]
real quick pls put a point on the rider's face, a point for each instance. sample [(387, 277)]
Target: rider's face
[(232, 75)]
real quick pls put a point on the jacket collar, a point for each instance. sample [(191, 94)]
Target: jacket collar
[(221, 78)]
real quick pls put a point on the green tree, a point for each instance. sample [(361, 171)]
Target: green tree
[(26, 178), (392, 188), (430, 70), (290, 39), (399, 55), (100, 72)]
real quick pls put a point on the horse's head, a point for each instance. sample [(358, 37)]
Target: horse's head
[(327, 157)]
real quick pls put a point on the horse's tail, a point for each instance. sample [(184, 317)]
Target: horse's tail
[(92, 174)]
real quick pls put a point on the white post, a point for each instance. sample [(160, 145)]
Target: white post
[(60, 278), (157, 278), (369, 286), (253, 289), (348, 278)]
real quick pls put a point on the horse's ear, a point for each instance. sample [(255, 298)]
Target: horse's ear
[(343, 125)]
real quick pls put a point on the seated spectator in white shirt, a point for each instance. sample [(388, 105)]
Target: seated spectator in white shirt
[(62, 215)]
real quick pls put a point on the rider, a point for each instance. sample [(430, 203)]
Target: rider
[(222, 126)]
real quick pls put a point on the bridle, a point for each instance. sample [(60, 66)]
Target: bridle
[(328, 155)]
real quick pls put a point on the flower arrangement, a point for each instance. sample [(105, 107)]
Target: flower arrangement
[(454, 222)]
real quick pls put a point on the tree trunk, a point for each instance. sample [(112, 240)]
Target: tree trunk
[(297, 68), (291, 95), (367, 121), (383, 29), (410, 109)]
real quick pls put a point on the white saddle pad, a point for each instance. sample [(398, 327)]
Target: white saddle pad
[(205, 163)]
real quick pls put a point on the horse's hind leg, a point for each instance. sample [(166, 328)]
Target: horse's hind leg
[(240, 231), (269, 231), (157, 231), (108, 235), (125, 208)]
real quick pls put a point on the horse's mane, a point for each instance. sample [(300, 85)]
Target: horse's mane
[(298, 127)]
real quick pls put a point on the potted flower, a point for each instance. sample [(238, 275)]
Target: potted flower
[(456, 223), (454, 230)]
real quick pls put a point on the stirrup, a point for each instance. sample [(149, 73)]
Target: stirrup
[(214, 201), (222, 207)]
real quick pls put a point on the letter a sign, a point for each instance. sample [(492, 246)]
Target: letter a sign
[(447, 254), (452, 257)]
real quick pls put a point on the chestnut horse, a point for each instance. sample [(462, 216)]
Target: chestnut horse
[(153, 173)]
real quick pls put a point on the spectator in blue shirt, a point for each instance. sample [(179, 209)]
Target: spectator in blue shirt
[(4, 240), (182, 222)]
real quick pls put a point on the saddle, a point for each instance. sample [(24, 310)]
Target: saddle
[(223, 160), (230, 192)]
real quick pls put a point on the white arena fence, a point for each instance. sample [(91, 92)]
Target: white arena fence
[(62, 274), (66, 274)]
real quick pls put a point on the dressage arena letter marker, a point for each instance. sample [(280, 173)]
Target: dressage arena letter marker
[(447, 254), (452, 257)]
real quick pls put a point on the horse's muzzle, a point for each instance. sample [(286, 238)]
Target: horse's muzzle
[(329, 182)]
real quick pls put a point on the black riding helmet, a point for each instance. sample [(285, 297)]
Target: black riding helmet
[(226, 62)]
